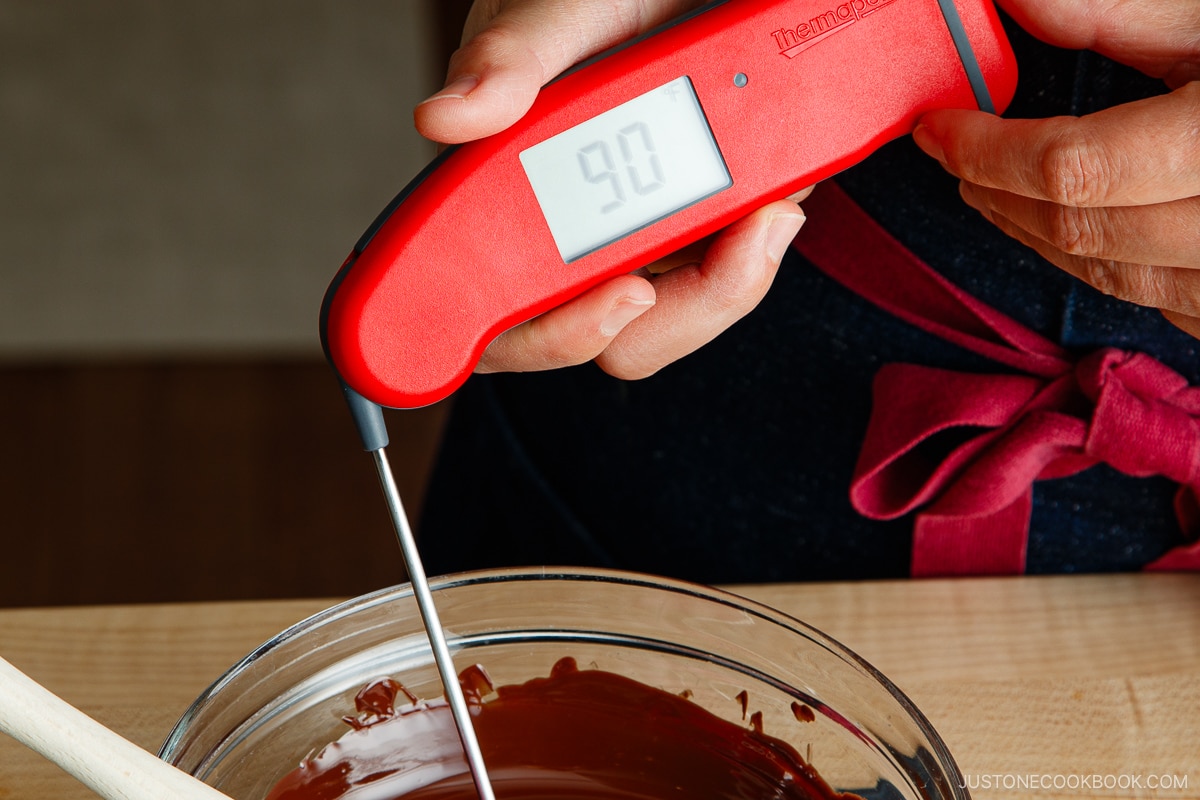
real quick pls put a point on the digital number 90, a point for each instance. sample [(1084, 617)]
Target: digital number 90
[(640, 168)]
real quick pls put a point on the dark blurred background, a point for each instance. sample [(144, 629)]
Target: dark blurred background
[(178, 182)]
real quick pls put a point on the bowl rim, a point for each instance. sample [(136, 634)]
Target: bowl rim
[(445, 583)]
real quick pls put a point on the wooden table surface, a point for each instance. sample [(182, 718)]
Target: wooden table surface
[(1049, 687)]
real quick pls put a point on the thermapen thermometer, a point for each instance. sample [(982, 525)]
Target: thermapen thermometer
[(621, 161), (635, 154)]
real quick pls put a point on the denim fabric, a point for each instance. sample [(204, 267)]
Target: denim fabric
[(733, 464)]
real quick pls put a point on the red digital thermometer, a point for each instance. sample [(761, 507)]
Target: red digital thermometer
[(635, 154)]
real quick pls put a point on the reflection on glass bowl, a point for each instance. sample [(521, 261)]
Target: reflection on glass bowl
[(286, 700)]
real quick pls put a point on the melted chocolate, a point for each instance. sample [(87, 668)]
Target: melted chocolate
[(576, 734)]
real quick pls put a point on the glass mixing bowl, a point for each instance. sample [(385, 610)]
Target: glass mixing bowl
[(285, 700)]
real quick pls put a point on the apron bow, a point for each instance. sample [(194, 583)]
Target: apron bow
[(964, 449)]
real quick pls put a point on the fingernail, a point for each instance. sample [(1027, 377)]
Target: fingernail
[(457, 90), (624, 312), (928, 142), (781, 230)]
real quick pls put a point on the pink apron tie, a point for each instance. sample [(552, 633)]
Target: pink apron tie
[(964, 449)]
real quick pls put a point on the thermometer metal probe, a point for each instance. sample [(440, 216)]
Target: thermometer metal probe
[(433, 625), (369, 419)]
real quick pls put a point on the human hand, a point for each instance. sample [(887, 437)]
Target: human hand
[(632, 325), (1112, 197)]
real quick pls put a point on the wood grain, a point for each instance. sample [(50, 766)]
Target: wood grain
[(1027, 679)]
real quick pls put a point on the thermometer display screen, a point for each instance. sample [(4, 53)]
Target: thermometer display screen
[(626, 168)]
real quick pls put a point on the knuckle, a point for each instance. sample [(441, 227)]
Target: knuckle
[(735, 292), (1076, 231), (504, 44), (556, 353), (1141, 284), (728, 299), (493, 39), (1104, 276), (630, 363), (624, 17), (1077, 170)]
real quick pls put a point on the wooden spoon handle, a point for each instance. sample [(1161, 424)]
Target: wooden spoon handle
[(113, 767)]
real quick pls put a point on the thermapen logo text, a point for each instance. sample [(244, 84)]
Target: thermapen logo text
[(794, 41)]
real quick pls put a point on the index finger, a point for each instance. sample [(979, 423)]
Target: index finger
[(1138, 153), (1156, 37)]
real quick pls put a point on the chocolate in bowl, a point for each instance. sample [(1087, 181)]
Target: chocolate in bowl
[(741, 662)]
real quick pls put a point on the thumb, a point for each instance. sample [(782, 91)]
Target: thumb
[(491, 82), (495, 76)]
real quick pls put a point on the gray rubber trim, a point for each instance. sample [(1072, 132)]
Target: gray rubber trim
[(983, 97)]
